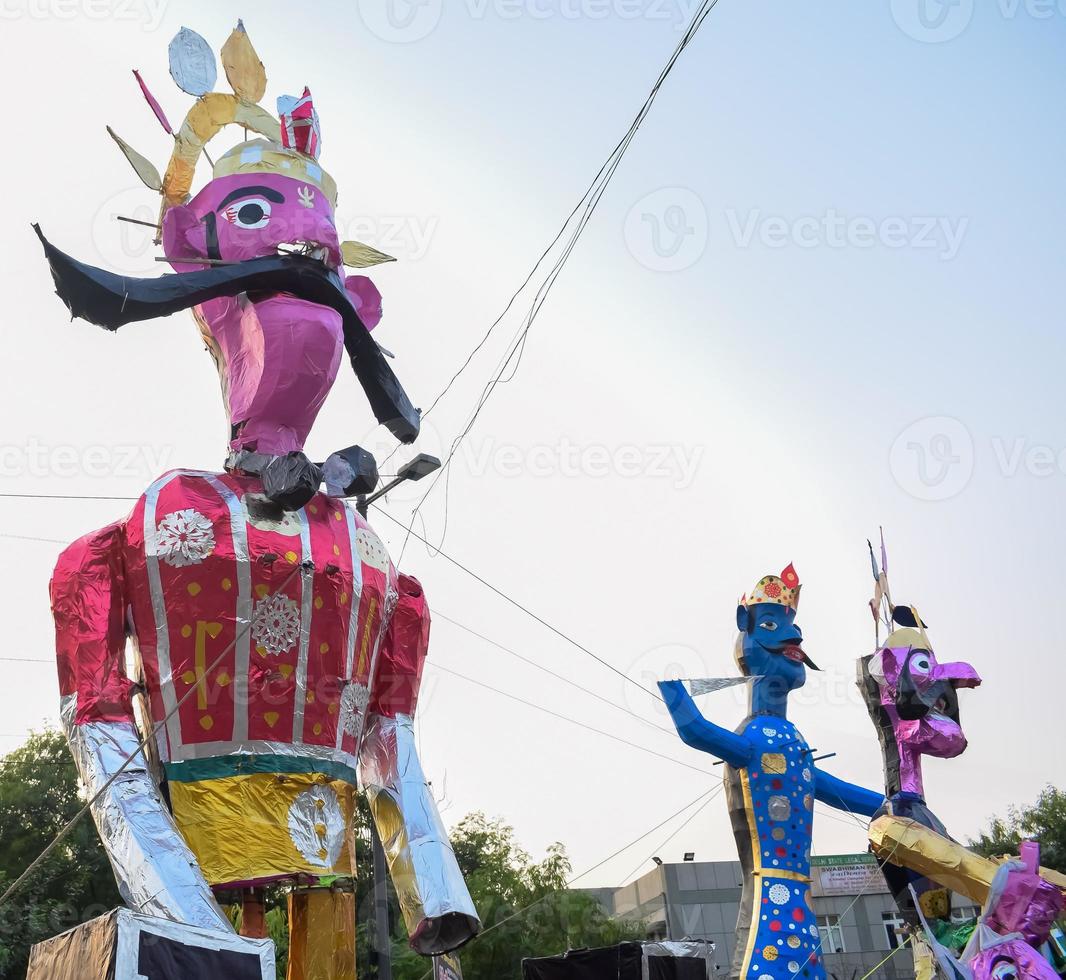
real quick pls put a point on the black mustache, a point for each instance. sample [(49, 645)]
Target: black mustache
[(111, 301)]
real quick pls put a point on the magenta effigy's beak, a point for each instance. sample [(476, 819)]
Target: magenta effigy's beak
[(958, 674)]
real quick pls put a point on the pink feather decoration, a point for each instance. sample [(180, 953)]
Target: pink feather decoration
[(156, 107)]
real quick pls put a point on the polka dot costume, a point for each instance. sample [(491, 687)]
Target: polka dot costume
[(777, 790)]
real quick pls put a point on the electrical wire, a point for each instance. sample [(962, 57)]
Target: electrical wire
[(26, 537), (437, 614), (831, 814), (447, 557), (591, 201), (63, 496), (576, 878), (692, 816), (526, 610), (617, 152), (561, 717), (840, 916)]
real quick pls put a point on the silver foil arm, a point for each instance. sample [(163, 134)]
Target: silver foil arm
[(433, 896), (156, 872)]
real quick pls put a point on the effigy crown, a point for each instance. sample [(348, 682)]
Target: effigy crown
[(778, 590)]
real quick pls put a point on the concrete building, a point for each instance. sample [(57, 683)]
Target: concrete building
[(856, 915)]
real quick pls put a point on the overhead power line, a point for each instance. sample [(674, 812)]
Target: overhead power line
[(499, 592), (561, 717), (662, 846), (514, 602), (437, 614), (62, 496), (584, 874), (830, 814), (587, 206)]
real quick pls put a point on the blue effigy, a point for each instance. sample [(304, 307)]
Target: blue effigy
[(771, 784)]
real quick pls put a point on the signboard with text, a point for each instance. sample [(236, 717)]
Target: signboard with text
[(846, 874)]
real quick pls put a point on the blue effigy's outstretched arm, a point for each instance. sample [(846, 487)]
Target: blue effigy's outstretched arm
[(697, 731), (844, 795)]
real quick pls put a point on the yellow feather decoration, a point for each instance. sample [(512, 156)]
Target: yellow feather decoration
[(145, 168), (356, 255)]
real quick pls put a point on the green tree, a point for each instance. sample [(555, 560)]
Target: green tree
[(1044, 821), (39, 793), (525, 906)]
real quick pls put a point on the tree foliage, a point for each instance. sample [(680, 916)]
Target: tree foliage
[(1044, 821), (525, 905), (38, 795)]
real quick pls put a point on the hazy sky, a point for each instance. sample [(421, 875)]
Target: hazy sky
[(823, 293)]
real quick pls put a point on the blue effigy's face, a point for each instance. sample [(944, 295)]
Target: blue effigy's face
[(772, 645)]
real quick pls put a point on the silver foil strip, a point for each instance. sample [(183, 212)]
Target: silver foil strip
[(688, 949), (156, 872), (433, 896)]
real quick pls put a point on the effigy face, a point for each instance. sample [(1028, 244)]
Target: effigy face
[(919, 694), (256, 257), (278, 354), (772, 647), (770, 641), (1011, 960), (254, 207)]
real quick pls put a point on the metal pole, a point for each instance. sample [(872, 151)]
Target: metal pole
[(381, 909), (382, 939), (666, 902)]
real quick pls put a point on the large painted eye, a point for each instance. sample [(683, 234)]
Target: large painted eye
[(768, 624), (251, 213), (920, 665), (1005, 970)]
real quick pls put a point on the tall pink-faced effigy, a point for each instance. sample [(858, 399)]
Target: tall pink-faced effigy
[(250, 618)]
